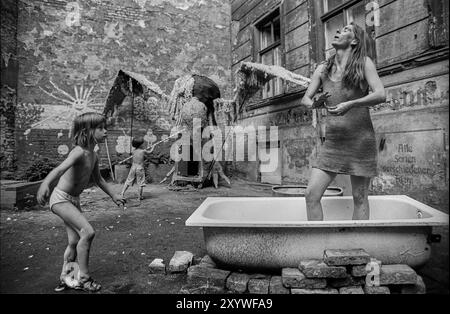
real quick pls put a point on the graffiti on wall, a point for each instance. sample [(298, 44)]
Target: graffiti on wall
[(291, 117), (411, 160), (418, 94)]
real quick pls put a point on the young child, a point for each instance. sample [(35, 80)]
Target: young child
[(73, 176), (137, 171)]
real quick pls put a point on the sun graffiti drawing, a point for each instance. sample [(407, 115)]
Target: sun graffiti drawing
[(80, 101)]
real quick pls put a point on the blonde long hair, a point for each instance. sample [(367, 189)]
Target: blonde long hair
[(84, 126), (353, 76)]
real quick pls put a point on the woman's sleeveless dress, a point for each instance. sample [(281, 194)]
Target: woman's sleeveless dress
[(350, 144)]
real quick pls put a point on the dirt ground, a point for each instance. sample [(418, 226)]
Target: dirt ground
[(33, 242)]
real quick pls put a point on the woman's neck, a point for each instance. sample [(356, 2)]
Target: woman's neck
[(341, 58)]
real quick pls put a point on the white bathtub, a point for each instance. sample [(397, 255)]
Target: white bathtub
[(272, 232)]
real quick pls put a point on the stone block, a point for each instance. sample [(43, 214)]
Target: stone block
[(346, 282), (276, 286), (201, 289), (198, 275), (376, 290), (359, 271), (397, 275), (157, 266), (294, 278), (318, 269), (346, 257), (351, 290), (237, 282), (418, 288), (363, 270), (207, 261), (180, 261), (314, 291), (258, 286)]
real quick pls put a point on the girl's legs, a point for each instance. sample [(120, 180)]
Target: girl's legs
[(125, 188), (141, 191), (360, 190), (70, 254), (317, 185), (73, 217)]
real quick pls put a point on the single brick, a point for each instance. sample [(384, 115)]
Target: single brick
[(180, 261), (294, 278), (314, 291), (237, 282), (206, 261), (376, 290), (346, 257), (351, 290), (157, 266), (199, 275), (276, 286), (201, 289), (346, 282), (418, 288), (258, 286), (363, 270), (397, 275), (318, 269)]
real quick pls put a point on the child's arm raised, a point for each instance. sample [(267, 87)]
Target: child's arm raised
[(44, 190), (105, 186)]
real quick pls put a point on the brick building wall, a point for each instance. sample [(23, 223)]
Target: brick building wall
[(9, 67), (71, 51)]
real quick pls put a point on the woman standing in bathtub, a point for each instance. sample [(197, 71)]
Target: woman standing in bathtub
[(349, 146)]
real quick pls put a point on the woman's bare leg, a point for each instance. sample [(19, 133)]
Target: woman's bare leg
[(360, 191), (317, 185), (74, 218)]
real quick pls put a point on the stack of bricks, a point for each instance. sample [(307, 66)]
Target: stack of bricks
[(339, 272)]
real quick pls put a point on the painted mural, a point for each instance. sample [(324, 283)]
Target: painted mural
[(72, 51)]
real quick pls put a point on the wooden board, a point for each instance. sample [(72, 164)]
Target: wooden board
[(406, 42), (297, 37), (297, 58), (399, 14), (296, 17)]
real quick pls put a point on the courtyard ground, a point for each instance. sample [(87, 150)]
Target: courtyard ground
[(33, 242)]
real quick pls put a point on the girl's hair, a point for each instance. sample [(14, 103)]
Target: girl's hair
[(353, 76), (84, 126)]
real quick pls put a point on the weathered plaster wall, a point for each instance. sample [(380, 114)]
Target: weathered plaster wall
[(9, 67), (71, 51)]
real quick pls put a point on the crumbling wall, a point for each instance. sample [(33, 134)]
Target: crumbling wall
[(9, 67), (71, 52)]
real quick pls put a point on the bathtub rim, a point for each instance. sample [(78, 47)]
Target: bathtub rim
[(437, 218)]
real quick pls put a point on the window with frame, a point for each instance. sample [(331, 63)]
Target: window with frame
[(268, 32), (339, 13)]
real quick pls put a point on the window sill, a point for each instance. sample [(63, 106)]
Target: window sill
[(276, 100)]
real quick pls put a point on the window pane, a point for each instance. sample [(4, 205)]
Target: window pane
[(331, 26), (267, 58), (329, 5), (277, 29), (266, 35), (278, 84), (357, 14)]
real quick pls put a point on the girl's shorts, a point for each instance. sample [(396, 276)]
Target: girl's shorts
[(59, 196)]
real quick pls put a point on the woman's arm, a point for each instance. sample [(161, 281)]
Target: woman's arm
[(312, 88), (101, 183), (378, 94), (55, 174)]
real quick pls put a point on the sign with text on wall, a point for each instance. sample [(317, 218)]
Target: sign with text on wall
[(411, 160)]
